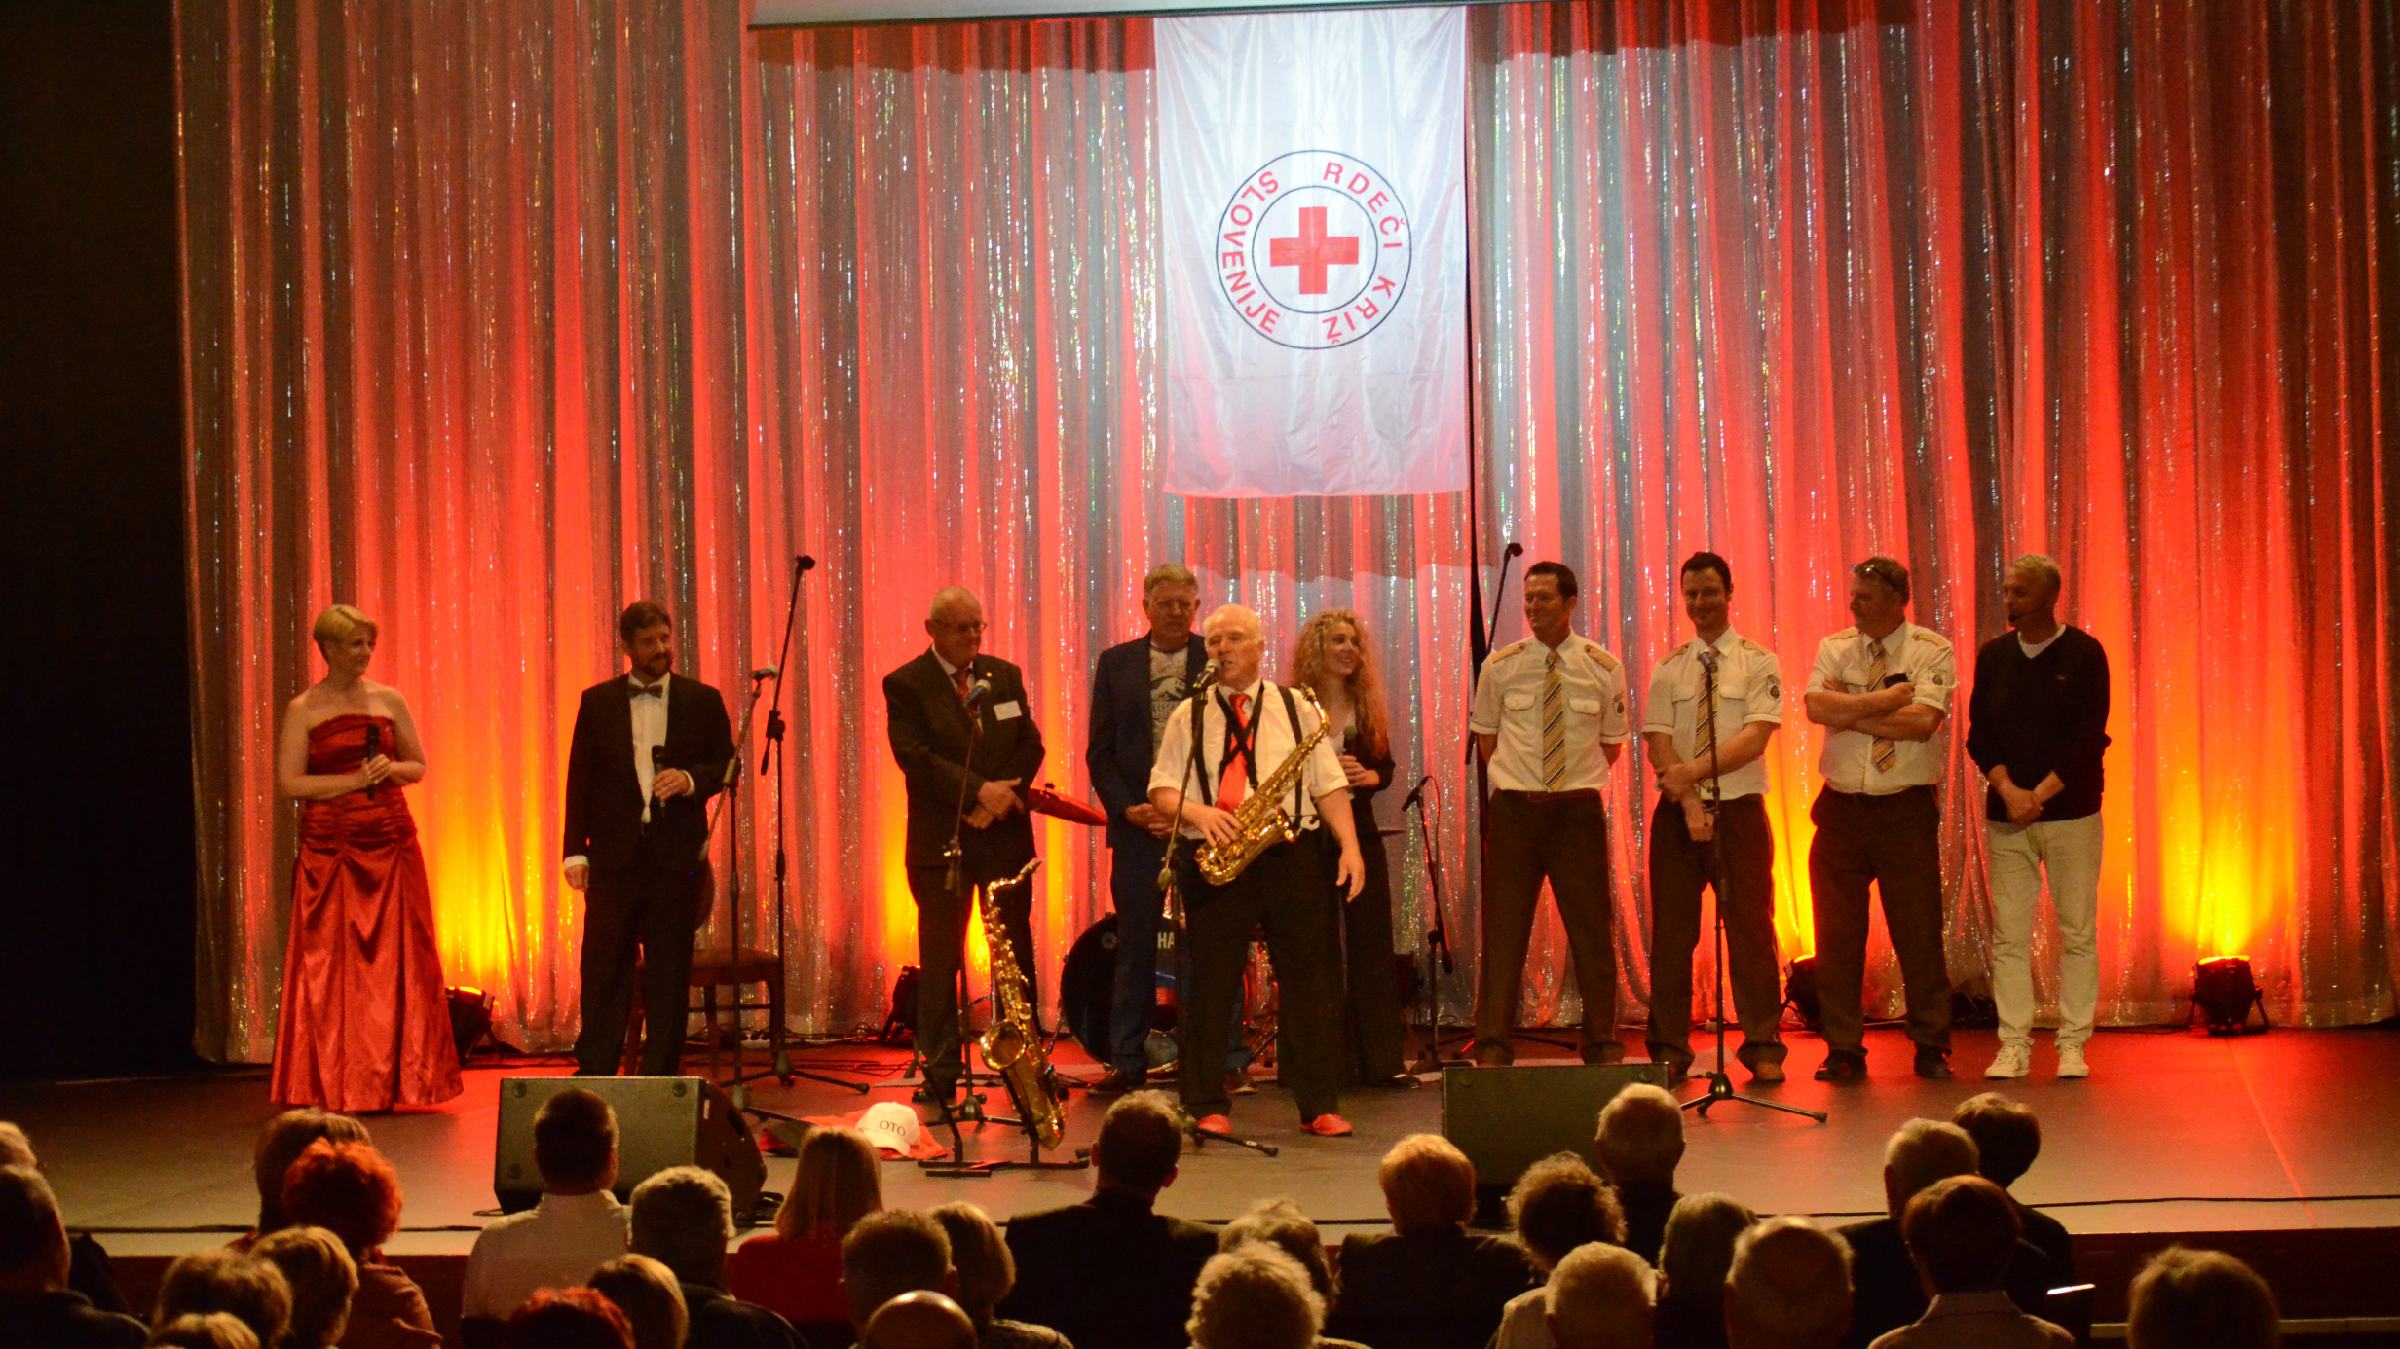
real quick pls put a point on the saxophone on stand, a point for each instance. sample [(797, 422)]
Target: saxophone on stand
[(1010, 1045)]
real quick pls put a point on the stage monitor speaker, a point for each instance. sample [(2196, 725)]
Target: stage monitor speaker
[(661, 1122), (1506, 1119)]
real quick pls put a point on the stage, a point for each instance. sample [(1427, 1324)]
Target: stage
[(2282, 1146)]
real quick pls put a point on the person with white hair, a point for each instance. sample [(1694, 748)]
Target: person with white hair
[(1602, 1297), (1254, 1296), (682, 1217), (2037, 728), (1789, 1287), (1639, 1142)]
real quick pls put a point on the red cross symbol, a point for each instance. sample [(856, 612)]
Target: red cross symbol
[(1311, 251)]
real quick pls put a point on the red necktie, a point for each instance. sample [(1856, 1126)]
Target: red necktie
[(958, 680), (1233, 778)]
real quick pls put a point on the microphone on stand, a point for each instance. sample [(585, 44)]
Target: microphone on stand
[(766, 672), (1416, 793), (1514, 549), (806, 562), (374, 747), (977, 692), (1208, 676)]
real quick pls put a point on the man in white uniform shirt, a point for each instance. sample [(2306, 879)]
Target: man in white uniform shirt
[(578, 1227), (1248, 728), (1714, 704), (1883, 690), (1549, 718)]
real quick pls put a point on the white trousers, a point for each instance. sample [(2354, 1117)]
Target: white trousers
[(2068, 853)]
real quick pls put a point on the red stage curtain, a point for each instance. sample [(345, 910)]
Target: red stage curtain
[(498, 316)]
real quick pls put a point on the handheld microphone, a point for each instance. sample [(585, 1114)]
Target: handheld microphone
[(374, 747), (1416, 793), (806, 562), (766, 672), (658, 765)]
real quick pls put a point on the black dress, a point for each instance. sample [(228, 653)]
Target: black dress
[(1372, 1021)]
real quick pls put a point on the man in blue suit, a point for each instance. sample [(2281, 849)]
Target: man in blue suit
[(1135, 686)]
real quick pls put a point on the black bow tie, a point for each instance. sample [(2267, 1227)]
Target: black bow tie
[(650, 690)]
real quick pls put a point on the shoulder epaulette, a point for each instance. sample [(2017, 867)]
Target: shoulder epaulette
[(1512, 648), (1599, 655)]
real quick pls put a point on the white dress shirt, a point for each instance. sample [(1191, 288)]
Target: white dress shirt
[(1749, 692), (1919, 655), (1508, 703), (649, 732), (1275, 743), (555, 1244)]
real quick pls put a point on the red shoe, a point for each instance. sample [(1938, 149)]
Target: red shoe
[(1327, 1125), (1213, 1124)]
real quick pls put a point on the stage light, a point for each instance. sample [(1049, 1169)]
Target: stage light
[(470, 1017), (1800, 992), (2225, 993)]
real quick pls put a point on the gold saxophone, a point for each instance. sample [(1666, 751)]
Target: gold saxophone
[(1261, 822), (1010, 1046)]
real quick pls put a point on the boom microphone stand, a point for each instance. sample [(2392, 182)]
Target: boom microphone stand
[(1438, 961)]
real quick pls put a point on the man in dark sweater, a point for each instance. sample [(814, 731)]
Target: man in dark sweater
[(2037, 725)]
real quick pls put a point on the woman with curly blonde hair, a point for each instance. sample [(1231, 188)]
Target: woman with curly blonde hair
[(1335, 662)]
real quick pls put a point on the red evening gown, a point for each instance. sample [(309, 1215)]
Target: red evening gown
[(365, 1024)]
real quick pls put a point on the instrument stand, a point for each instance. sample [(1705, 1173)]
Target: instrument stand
[(1201, 1138), (957, 1165), (1438, 962)]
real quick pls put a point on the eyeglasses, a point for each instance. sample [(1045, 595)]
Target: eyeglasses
[(1882, 571), (975, 628)]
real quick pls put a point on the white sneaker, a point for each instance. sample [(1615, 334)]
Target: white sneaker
[(2070, 1062), (2011, 1061)]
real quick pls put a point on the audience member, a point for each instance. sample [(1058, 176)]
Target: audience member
[(985, 1272), (2008, 1136), (279, 1145), (1789, 1287), (1281, 1224), (893, 1252), (1962, 1234), (683, 1217), (238, 1284), (204, 1330), (1639, 1144), (1254, 1297), (652, 1301), (1111, 1271), (351, 1191), (568, 1318), (1556, 1206), (322, 1278), (1601, 1296), (796, 1270), (88, 1269), (919, 1320), (2187, 1299), (36, 1306), (1429, 1283), (1693, 1261), (1889, 1293), (577, 1226)]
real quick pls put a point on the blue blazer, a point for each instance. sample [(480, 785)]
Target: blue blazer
[(1118, 750)]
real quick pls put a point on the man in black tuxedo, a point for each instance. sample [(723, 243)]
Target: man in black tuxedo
[(962, 730), (1134, 687), (649, 750)]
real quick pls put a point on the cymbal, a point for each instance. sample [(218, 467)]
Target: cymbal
[(1046, 800)]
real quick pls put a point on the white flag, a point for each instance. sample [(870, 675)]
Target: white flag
[(1313, 193)]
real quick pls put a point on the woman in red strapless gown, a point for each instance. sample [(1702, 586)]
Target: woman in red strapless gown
[(365, 1024)]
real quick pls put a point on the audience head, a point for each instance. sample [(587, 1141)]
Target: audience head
[(652, 1301), (2007, 1134), (1254, 1297), (1697, 1250), (893, 1252), (978, 1257), (1281, 1224), (1789, 1287), (1961, 1233), (15, 1148), (2187, 1299), (1140, 1139), (348, 1189), (1919, 1153), (243, 1286), (568, 1318), (281, 1143), (322, 1278), (1560, 1204), (839, 1181), (918, 1320), (33, 1242), (1428, 1185), (682, 1217), (204, 1330), (1601, 1296), (1640, 1138), (575, 1143)]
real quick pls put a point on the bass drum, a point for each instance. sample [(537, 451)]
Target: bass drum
[(1087, 985)]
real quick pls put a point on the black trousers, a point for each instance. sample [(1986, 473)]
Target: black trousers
[(1284, 893), (1744, 879), (1561, 837), (1892, 842), (646, 906), (1372, 1023), (942, 918)]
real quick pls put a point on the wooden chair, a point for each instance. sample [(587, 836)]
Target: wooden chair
[(713, 969)]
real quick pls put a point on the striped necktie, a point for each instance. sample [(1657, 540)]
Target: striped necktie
[(1554, 725), (1885, 752)]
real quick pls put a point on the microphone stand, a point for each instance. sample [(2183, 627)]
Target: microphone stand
[(1438, 961), (961, 890)]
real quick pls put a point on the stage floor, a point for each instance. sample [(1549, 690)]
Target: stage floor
[(2173, 1132)]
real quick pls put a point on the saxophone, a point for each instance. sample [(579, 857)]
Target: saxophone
[(1260, 821), (1009, 1044)]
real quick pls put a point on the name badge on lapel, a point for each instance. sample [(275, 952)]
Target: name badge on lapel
[(1008, 711)]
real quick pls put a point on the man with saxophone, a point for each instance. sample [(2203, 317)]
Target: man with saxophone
[(1260, 750)]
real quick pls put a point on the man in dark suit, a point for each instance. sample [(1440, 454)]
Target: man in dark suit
[(962, 730), (649, 750), (1109, 1271), (1134, 687)]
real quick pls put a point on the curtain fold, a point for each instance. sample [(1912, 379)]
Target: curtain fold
[(498, 317)]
